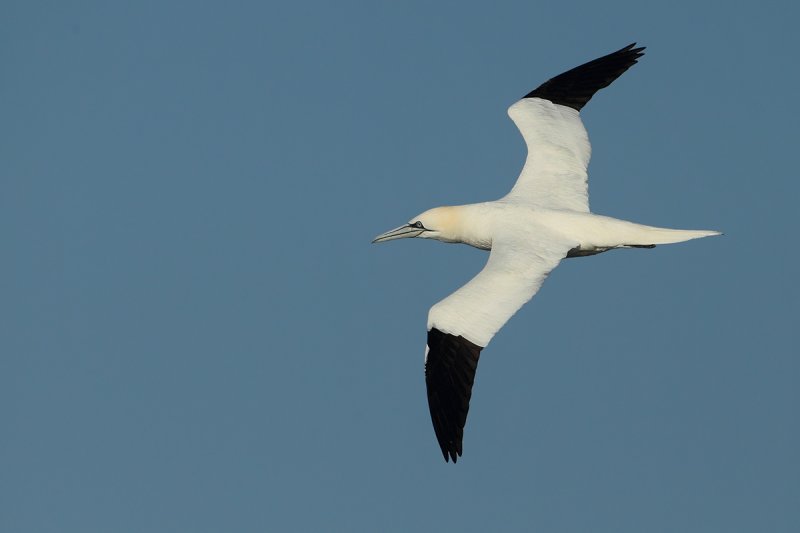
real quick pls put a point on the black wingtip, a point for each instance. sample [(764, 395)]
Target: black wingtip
[(449, 375), (575, 87), (450, 455)]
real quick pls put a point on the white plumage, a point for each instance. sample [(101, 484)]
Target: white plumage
[(544, 219), (518, 264), (554, 175)]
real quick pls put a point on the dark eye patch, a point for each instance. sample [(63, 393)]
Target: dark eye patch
[(418, 224)]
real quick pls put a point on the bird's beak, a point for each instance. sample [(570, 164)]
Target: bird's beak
[(398, 233)]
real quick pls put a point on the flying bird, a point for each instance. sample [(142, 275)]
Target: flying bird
[(544, 219)]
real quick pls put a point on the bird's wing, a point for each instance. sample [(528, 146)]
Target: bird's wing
[(462, 324), (554, 175)]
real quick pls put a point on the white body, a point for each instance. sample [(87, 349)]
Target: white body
[(477, 224)]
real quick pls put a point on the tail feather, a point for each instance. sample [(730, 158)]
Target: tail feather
[(651, 235), (597, 233)]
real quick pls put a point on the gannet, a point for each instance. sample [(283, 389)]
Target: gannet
[(544, 219)]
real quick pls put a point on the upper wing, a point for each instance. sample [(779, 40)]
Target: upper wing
[(554, 174), (462, 324)]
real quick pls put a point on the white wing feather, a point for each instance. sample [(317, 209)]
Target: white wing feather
[(516, 269), (554, 175)]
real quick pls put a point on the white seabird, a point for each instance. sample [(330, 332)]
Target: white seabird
[(544, 219)]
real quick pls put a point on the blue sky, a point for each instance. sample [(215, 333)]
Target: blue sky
[(197, 335)]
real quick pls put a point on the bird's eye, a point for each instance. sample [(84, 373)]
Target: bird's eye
[(418, 224)]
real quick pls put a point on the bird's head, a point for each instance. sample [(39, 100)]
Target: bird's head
[(440, 223)]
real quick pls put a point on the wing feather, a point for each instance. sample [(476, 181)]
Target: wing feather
[(450, 365), (555, 172), (462, 324), (575, 87)]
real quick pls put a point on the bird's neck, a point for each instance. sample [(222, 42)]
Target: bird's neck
[(468, 224)]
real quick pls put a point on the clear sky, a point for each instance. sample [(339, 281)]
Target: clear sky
[(197, 335)]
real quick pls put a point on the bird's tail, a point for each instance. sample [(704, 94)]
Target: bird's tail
[(650, 236), (600, 233)]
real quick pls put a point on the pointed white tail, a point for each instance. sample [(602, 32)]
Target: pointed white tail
[(652, 235), (601, 232)]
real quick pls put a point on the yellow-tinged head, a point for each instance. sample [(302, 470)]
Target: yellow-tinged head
[(440, 223)]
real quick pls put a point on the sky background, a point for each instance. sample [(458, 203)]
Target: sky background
[(197, 335)]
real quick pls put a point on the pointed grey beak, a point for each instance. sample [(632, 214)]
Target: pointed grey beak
[(398, 233)]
